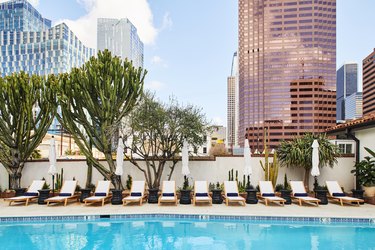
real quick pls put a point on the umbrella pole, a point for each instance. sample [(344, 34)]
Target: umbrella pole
[(53, 185)]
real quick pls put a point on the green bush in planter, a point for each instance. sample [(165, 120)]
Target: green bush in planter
[(365, 170)]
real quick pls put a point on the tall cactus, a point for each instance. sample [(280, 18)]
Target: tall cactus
[(22, 126), (271, 170), (94, 99)]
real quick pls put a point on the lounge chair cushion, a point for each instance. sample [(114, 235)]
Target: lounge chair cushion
[(338, 194), (30, 194), (168, 194), (65, 194), (136, 194), (300, 194), (100, 194), (232, 194), (268, 194), (201, 194)]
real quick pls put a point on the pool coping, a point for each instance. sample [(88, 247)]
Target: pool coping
[(203, 218)]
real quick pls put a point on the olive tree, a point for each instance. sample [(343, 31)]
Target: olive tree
[(156, 132), (27, 109)]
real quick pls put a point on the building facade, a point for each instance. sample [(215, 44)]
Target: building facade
[(368, 71), (29, 43), (281, 43), (346, 85), (353, 106), (121, 38), (232, 105)]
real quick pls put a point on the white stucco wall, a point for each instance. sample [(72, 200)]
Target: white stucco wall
[(367, 139), (210, 170)]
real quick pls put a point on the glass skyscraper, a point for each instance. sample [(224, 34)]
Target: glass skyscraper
[(346, 85), (120, 37), (29, 43), (287, 69)]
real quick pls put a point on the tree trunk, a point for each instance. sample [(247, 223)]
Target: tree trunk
[(116, 181), (89, 174), (307, 178), (14, 180)]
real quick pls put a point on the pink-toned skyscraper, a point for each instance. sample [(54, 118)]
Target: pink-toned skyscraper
[(283, 43)]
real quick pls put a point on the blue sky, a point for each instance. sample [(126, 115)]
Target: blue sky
[(189, 43)]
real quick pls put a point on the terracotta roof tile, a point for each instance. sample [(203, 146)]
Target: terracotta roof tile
[(352, 123)]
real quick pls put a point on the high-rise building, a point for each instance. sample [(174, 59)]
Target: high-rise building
[(29, 43), (368, 71), (281, 44), (232, 105), (120, 37), (353, 106), (346, 85)]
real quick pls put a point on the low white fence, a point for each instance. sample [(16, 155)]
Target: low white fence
[(211, 170)]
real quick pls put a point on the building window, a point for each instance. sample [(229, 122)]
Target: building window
[(204, 150), (346, 148)]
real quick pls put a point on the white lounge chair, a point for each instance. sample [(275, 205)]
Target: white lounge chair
[(137, 193), (201, 192), (268, 194), (299, 193), (31, 193), (101, 193), (66, 193), (336, 193), (168, 194), (231, 193)]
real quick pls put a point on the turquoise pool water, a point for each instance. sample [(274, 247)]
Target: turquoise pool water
[(162, 233)]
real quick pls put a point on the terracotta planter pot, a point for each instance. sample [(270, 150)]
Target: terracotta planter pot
[(369, 191), (9, 194)]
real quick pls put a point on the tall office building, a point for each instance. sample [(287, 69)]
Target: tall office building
[(232, 105), (368, 71), (346, 85), (353, 106), (29, 43), (283, 46), (121, 38)]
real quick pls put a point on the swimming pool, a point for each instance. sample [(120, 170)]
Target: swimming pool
[(196, 232)]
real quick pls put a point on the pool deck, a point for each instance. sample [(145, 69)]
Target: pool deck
[(332, 210)]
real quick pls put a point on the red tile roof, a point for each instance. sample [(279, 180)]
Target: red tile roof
[(353, 123)]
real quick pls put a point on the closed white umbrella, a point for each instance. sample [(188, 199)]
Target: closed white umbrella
[(315, 159), (52, 162), (119, 157), (185, 158), (247, 155)]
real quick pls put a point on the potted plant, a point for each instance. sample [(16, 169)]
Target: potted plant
[(365, 173), (185, 192), (286, 191)]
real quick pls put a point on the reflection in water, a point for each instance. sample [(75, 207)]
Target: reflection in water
[(184, 234)]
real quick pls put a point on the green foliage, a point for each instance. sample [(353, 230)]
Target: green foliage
[(94, 99), (59, 179), (365, 170), (22, 128), (286, 183), (279, 187), (157, 131), (46, 185), (186, 185), (298, 153), (129, 182), (36, 154)]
